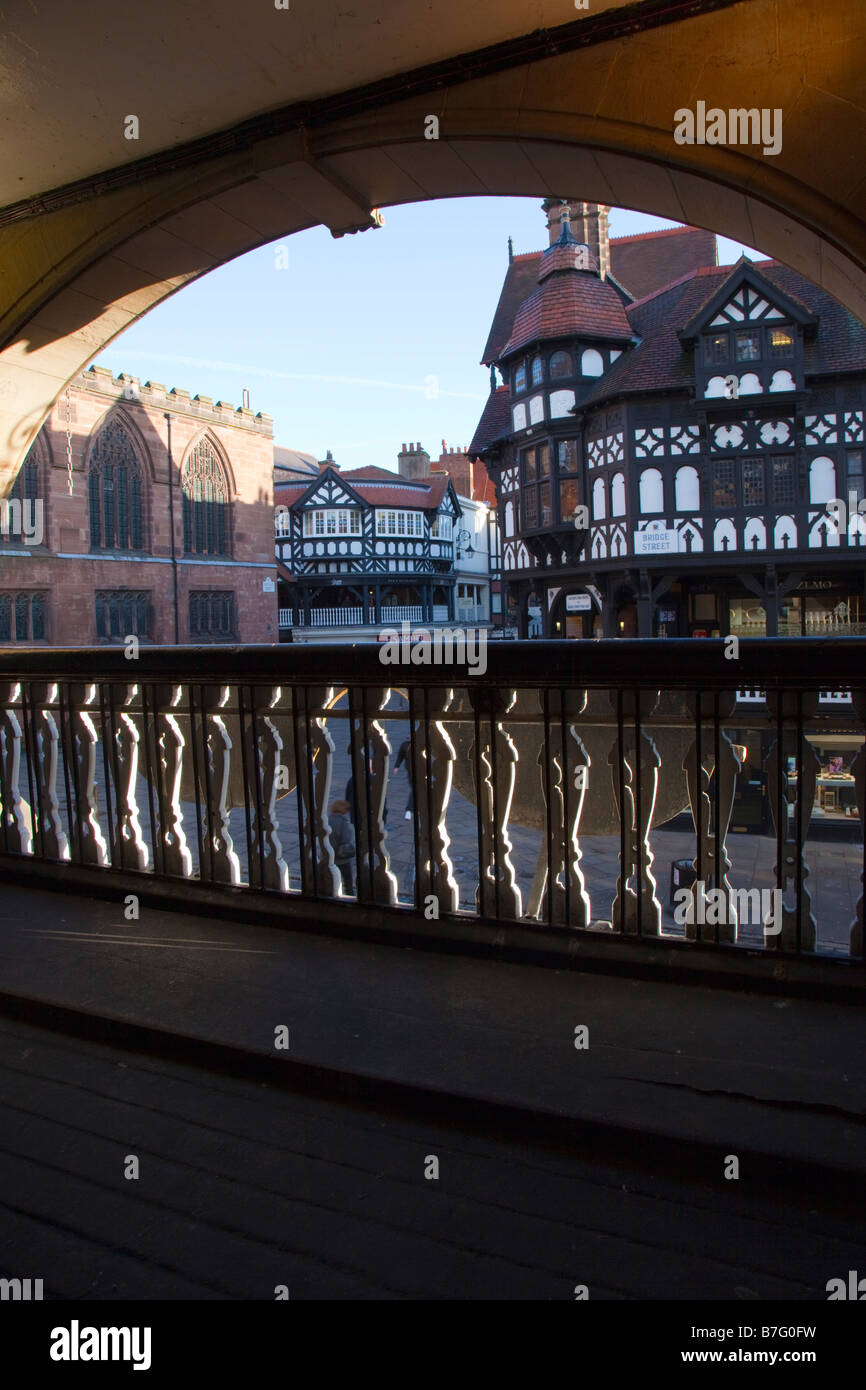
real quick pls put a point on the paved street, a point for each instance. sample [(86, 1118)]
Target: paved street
[(243, 1188)]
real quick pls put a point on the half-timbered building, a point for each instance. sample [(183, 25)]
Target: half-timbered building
[(685, 463), (366, 548)]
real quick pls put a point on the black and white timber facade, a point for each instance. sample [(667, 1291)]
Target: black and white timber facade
[(368, 549), (666, 466)]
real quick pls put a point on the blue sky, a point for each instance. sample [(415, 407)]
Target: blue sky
[(360, 343)]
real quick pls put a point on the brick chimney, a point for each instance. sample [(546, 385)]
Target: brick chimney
[(328, 462), (589, 224), (455, 462), (413, 462)]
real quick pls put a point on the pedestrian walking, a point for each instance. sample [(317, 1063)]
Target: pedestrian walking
[(404, 758)]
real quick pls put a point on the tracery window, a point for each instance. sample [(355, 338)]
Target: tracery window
[(115, 490), (212, 615), (122, 613), (19, 513), (22, 617), (205, 503)]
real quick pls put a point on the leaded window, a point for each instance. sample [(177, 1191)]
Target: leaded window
[(855, 474), (205, 503), (115, 490), (18, 511), (754, 490), (122, 613), (781, 342), (784, 480), (212, 615), (568, 455), (748, 346), (22, 617), (724, 484), (716, 348)]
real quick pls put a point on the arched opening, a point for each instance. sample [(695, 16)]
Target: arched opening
[(206, 508), (77, 278), (822, 480), (115, 489)]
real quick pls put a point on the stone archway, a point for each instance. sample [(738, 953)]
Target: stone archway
[(568, 110)]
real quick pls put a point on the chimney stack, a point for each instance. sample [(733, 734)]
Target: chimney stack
[(413, 462)]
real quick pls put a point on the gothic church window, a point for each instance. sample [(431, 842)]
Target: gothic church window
[(205, 503), (115, 490), (20, 515)]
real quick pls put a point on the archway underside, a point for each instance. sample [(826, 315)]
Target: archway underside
[(597, 124)]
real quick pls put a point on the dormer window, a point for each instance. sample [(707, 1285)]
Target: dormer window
[(520, 377), (748, 347), (781, 342), (716, 348)]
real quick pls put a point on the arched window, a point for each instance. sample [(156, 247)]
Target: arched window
[(617, 495), (20, 513), (591, 363), (205, 503), (537, 370), (115, 491), (651, 491), (520, 377), (599, 506), (687, 492), (822, 480), (560, 365)]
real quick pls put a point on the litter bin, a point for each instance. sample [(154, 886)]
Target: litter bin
[(682, 876)]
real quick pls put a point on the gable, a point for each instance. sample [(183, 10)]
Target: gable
[(746, 297), (747, 305), (330, 491)]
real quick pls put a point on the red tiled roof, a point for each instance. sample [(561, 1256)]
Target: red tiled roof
[(425, 494), (641, 264), (650, 260), (370, 470), (567, 303), (494, 423), (521, 278)]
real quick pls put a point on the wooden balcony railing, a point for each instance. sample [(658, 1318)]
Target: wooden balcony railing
[(565, 786)]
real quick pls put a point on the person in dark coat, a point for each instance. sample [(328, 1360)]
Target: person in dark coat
[(343, 844), (353, 800), (404, 757)]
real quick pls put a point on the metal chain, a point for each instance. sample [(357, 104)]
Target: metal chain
[(69, 443)]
